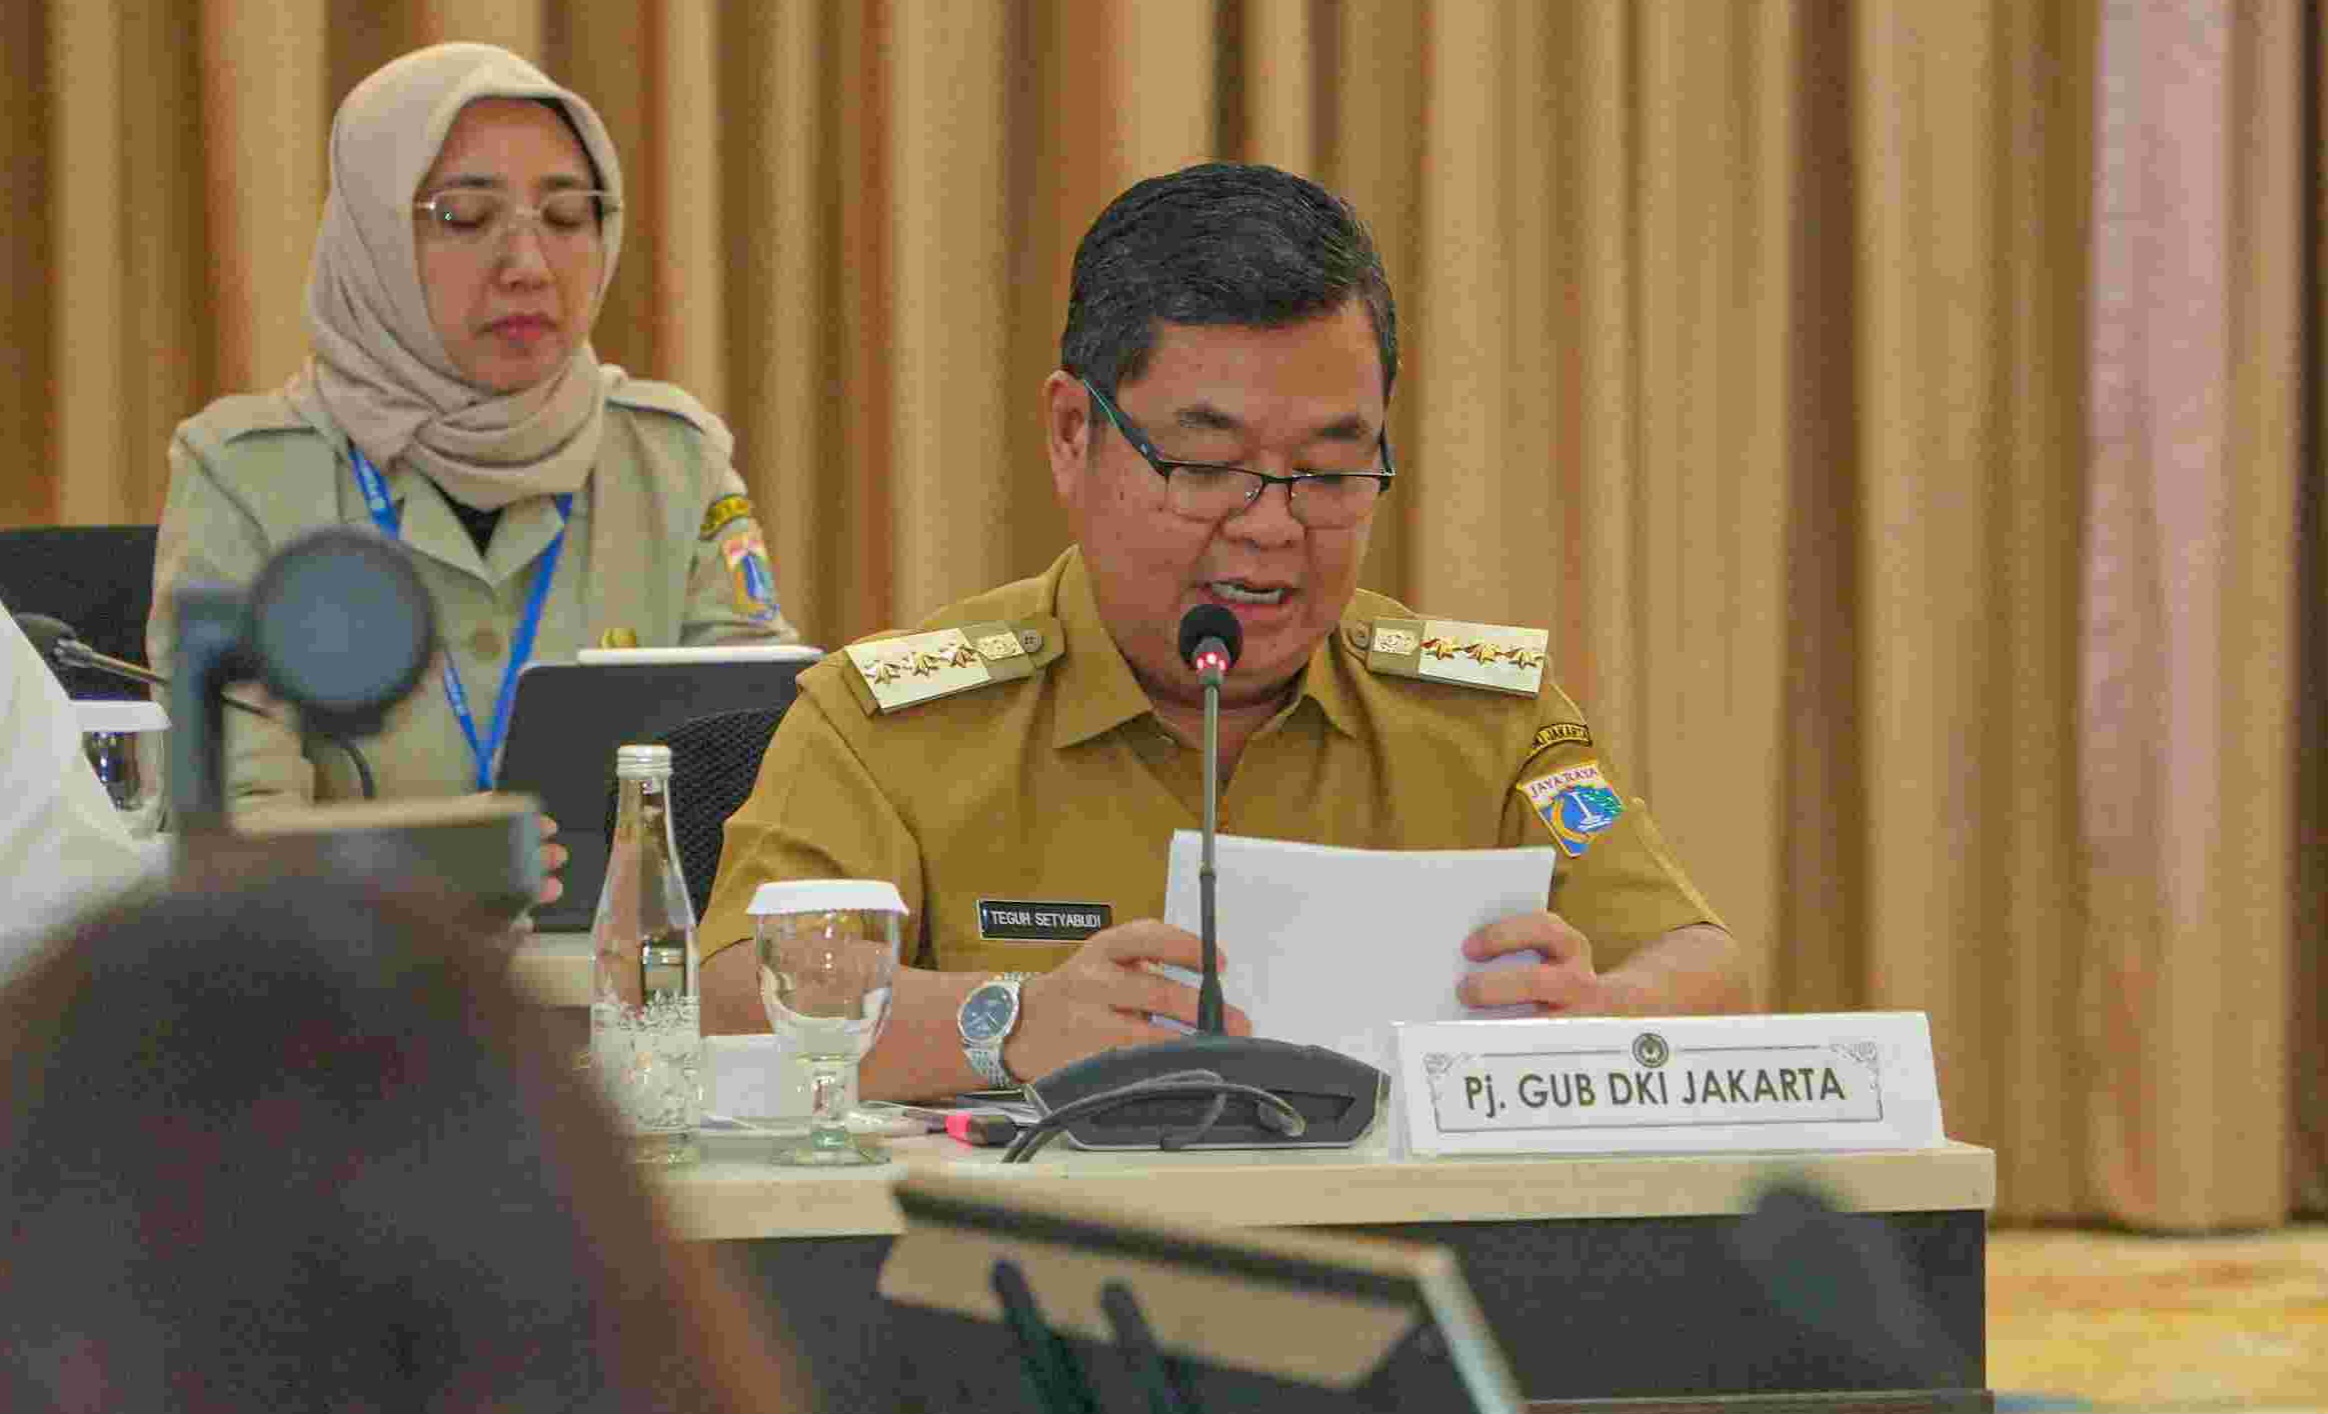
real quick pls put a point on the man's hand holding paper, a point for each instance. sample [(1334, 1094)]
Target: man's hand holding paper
[(1558, 975), (1328, 947), (1126, 986)]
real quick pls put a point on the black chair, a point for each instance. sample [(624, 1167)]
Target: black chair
[(97, 578), (714, 761)]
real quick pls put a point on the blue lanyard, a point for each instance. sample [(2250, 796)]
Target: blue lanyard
[(391, 525)]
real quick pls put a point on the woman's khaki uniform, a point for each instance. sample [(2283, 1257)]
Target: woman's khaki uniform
[(662, 548)]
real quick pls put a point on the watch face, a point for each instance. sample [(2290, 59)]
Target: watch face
[(987, 1013)]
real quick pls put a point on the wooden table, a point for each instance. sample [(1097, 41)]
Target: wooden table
[(1605, 1278)]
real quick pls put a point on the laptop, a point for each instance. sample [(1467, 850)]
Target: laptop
[(568, 718), (1009, 1300)]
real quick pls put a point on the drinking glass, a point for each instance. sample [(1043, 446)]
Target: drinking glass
[(827, 952), (123, 741)]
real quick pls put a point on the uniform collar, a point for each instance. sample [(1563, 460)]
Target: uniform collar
[(1096, 690), (430, 528), (1326, 681)]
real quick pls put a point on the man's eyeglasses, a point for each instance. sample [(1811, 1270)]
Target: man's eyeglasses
[(1214, 491), (483, 214)]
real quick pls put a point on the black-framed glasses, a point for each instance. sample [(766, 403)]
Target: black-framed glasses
[(484, 214), (1214, 491)]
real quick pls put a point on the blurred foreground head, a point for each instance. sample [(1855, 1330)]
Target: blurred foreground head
[(272, 1143)]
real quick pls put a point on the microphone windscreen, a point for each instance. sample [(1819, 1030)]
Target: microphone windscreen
[(342, 627), (46, 633), (1210, 621)]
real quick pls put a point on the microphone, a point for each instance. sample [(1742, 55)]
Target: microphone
[(59, 645), (1209, 1090), (46, 633), (339, 627), (1210, 640), (63, 648)]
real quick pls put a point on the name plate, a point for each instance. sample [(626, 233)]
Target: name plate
[(1682, 1084)]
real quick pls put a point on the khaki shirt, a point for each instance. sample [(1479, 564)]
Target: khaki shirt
[(1061, 787), (654, 546)]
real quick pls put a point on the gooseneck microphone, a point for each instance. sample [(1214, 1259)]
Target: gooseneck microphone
[(1210, 640), (338, 627), (1208, 1090), (60, 645)]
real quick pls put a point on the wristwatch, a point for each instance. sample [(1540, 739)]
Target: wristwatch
[(988, 1016)]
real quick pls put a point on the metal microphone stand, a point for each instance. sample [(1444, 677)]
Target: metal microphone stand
[(72, 652), (1208, 995)]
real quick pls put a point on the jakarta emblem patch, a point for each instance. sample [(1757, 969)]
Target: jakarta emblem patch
[(751, 576), (1575, 803)]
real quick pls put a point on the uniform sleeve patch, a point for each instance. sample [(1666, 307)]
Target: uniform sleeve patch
[(1560, 734), (751, 576), (1576, 803), (722, 513)]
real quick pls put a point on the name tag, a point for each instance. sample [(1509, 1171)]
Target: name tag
[(1832, 1081), (1039, 921)]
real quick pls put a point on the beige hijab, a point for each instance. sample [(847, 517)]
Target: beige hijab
[(378, 369)]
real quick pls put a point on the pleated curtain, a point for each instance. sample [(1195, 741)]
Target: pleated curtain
[(1904, 416)]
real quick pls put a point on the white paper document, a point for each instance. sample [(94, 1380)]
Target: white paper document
[(1328, 947)]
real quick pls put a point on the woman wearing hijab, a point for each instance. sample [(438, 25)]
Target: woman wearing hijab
[(452, 401)]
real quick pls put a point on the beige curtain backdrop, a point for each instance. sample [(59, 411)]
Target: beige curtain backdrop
[(1903, 415)]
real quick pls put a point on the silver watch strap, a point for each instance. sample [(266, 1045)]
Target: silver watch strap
[(987, 1060)]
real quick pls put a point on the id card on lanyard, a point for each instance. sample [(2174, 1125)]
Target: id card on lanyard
[(487, 751)]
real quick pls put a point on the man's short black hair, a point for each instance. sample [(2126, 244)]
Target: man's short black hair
[(1220, 243)]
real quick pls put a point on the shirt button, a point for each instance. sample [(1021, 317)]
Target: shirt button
[(1031, 639), (485, 643)]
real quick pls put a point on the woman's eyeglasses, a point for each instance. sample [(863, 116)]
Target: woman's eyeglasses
[(483, 214)]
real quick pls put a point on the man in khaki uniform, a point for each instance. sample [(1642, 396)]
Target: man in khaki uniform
[(661, 548), (1216, 433)]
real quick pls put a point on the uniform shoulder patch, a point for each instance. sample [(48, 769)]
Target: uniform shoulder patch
[(722, 513), (897, 673), (1576, 803), (1497, 657), (1560, 734), (751, 578)]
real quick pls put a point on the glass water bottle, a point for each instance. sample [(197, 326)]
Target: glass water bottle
[(646, 1027)]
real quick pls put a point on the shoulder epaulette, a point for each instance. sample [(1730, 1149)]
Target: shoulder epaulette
[(244, 413), (892, 674), (1496, 657), (651, 396)]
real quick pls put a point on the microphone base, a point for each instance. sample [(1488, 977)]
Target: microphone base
[(1338, 1096)]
